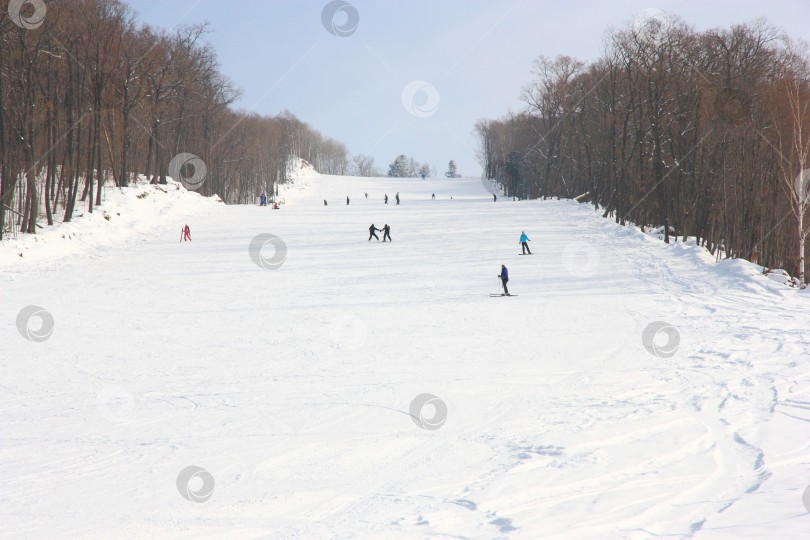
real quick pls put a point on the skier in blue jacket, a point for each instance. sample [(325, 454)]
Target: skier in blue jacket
[(504, 278), (523, 240)]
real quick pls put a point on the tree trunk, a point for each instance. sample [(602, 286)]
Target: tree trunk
[(123, 180), (802, 238), (31, 180), (97, 143)]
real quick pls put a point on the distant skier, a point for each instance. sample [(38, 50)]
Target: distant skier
[(386, 232), (524, 242), (494, 198), (275, 206), (324, 202), (347, 200), (263, 200), (386, 198), (423, 176), (504, 278), (371, 232), (186, 234), (397, 197), (366, 195), (434, 197)]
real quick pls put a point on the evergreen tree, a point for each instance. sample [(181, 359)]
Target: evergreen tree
[(399, 168), (451, 170)]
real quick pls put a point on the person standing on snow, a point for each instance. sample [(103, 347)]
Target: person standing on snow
[(386, 198), (186, 234), (366, 195), (397, 197), (372, 233), (386, 232), (324, 202), (263, 200), (434, 197), (347, 200), (523, 240), (494, 198), (504, 278)]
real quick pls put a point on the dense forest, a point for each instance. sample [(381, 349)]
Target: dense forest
[(89, 97), (703, 133)]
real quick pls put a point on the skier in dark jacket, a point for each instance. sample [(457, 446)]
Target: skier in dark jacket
[(347, 201), (386, 232), (494, 198), (397, 197), (372, 233), (524, 242), (386, 198), (504, 278), (324, 202)]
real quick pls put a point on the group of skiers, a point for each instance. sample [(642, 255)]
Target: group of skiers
[(385, 199), (504, 275), (263, 202), (386, 230), (348, 200)]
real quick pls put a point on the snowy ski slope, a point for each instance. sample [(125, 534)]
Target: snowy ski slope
[(294, 388)]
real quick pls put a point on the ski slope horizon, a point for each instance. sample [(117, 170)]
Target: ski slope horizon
[(333, 387)]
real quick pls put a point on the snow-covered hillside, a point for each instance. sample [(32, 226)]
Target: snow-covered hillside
[(140, 210), (245, 386)]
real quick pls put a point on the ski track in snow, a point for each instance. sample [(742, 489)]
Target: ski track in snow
[(292, 386)]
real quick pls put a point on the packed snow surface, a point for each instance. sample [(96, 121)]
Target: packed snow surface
[(631, 389)]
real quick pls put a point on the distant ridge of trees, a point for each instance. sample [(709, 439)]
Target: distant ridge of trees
[(703, 133), (88, 97)]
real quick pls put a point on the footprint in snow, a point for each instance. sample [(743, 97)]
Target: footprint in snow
[(466, 503), (540, 450), (504, 524)]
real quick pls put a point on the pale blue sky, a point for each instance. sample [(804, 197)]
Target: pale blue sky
[(476, 54)]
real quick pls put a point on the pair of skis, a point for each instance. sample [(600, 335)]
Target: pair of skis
[(494, 295)]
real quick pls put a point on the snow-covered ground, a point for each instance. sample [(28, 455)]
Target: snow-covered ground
[(141, 210), (292, 378)]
